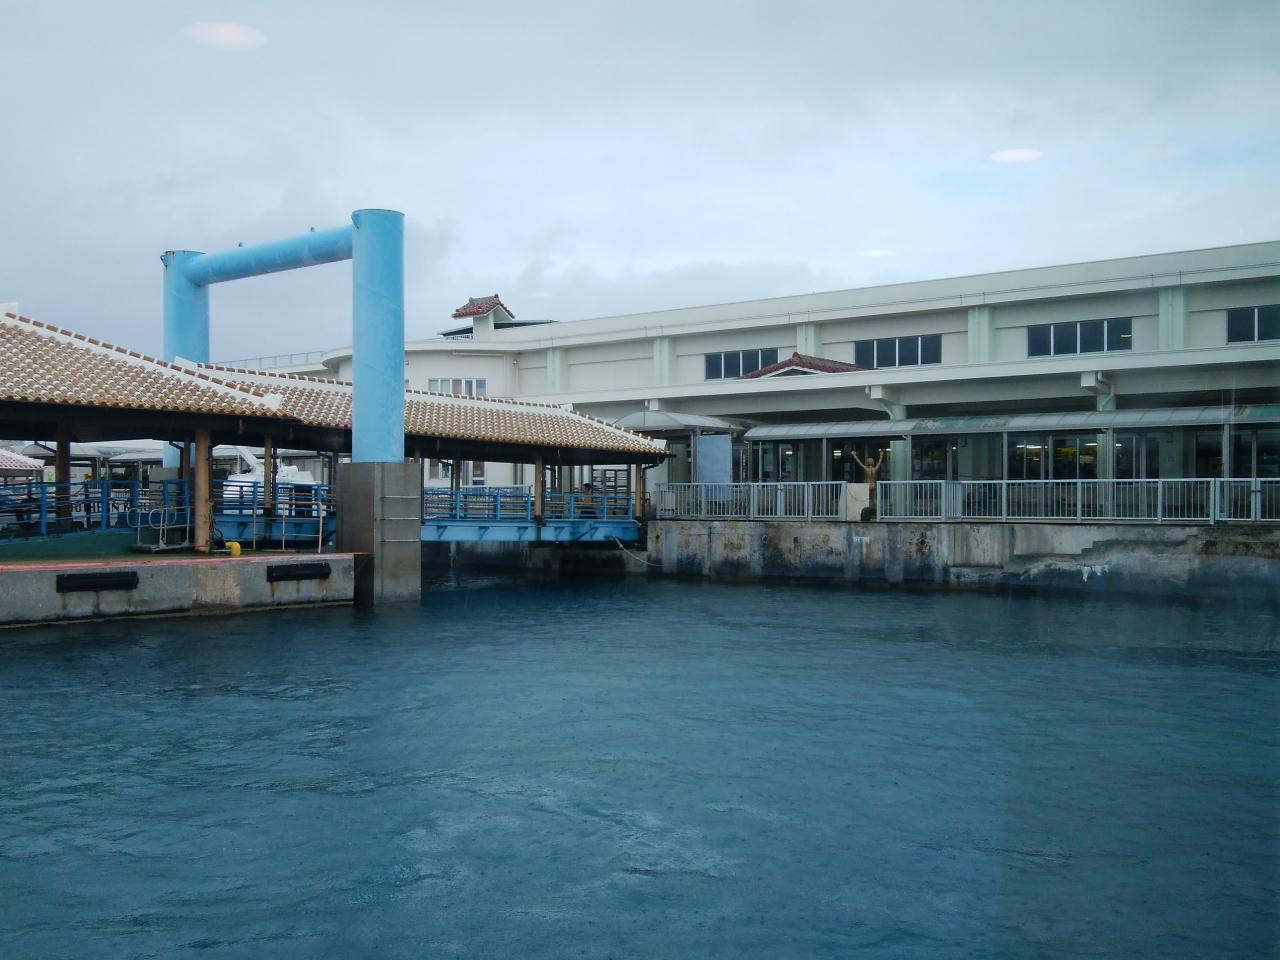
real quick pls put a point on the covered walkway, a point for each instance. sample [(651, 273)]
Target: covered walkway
[(62, 385)]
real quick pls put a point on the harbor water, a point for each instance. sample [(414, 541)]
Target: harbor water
[(646, 769)]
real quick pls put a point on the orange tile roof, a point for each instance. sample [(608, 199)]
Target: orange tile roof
[(487, 419), (45, 364)]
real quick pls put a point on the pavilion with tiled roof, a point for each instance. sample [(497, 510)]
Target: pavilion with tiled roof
[(55, 382)]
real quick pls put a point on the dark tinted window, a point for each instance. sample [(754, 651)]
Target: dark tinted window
[(864, 353), (769, 357), (750, 361), (1119, 333), (714, 367), (908, 351), (887, 352), (1269, 323), (1064, 337), (1038, 344), (931, 348), (1092, 336), (732, 364), (1240, 325)]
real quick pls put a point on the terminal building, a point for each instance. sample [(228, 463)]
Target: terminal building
[(1159, 366)]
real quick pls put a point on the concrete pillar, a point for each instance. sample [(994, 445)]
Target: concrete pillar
[(1173, 318), (378, 518), (664, 361), (982, 335), (62, 470), (557, 378), (539, 490), (809, 339), (201, 495)]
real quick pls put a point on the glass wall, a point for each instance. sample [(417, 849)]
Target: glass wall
[(841, 464), (1173, 453)]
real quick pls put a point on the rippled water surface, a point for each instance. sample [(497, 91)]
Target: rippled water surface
[(646, 770)]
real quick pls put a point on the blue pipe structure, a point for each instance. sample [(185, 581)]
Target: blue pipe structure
[(375, 244), (377, 330)]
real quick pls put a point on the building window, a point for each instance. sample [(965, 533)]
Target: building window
[(734, 363), (1080, 336), (462, 386), (1250, 324), (439, 469), (898, 351)]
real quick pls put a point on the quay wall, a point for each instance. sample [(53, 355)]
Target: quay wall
[(30, 594), (1229, 562)]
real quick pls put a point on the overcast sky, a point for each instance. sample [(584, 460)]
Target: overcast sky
[(592, 158)]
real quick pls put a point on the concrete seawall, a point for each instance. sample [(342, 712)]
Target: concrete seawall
[(33, 593), (1240, 563)]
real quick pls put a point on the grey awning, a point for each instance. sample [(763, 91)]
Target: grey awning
[(1025, 422), (654, 421)]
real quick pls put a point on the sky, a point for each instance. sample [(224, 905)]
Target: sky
[(586, 159)]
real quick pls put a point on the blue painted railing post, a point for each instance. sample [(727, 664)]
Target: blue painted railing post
[(497, 505), (106, 504), (44, 509), (377, 353)]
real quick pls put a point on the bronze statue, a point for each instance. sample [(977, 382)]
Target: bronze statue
[(871, 470)]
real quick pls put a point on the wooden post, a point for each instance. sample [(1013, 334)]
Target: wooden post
[(203, 468), (637, 492), (539, 490), (62, 471), (268, 475)]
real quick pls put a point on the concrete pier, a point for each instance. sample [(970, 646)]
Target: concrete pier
[(1240, 563), (380, 517), (95, 590)]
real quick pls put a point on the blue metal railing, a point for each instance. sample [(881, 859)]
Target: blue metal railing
[(492, 503), (36, 508)]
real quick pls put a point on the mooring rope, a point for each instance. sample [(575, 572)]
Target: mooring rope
[(635, 556)]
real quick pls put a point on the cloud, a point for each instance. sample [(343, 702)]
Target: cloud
[(1017, 155), (592, 158), (222, 35)]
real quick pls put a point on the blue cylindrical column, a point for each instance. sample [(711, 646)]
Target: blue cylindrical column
[(186, 310), (377, 375), (186, 321)]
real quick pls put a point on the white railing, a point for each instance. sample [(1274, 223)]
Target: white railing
[(1193, 500), (752, 501)]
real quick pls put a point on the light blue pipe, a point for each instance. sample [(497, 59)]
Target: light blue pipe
[(377, 329), (323, 246), (375, 244), (186, 322)]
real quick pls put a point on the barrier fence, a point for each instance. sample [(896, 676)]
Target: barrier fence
[(1194, 500), (752, 501), (516, 503)]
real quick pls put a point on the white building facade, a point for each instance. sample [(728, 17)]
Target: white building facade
[(1162, 365)]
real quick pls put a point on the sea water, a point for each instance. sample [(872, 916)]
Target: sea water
[(646, 769)]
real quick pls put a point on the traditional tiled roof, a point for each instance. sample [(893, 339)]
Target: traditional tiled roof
[(47, 365), (804, 363), (44, 364), (14, 462), (479, 306), (327, 403)]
